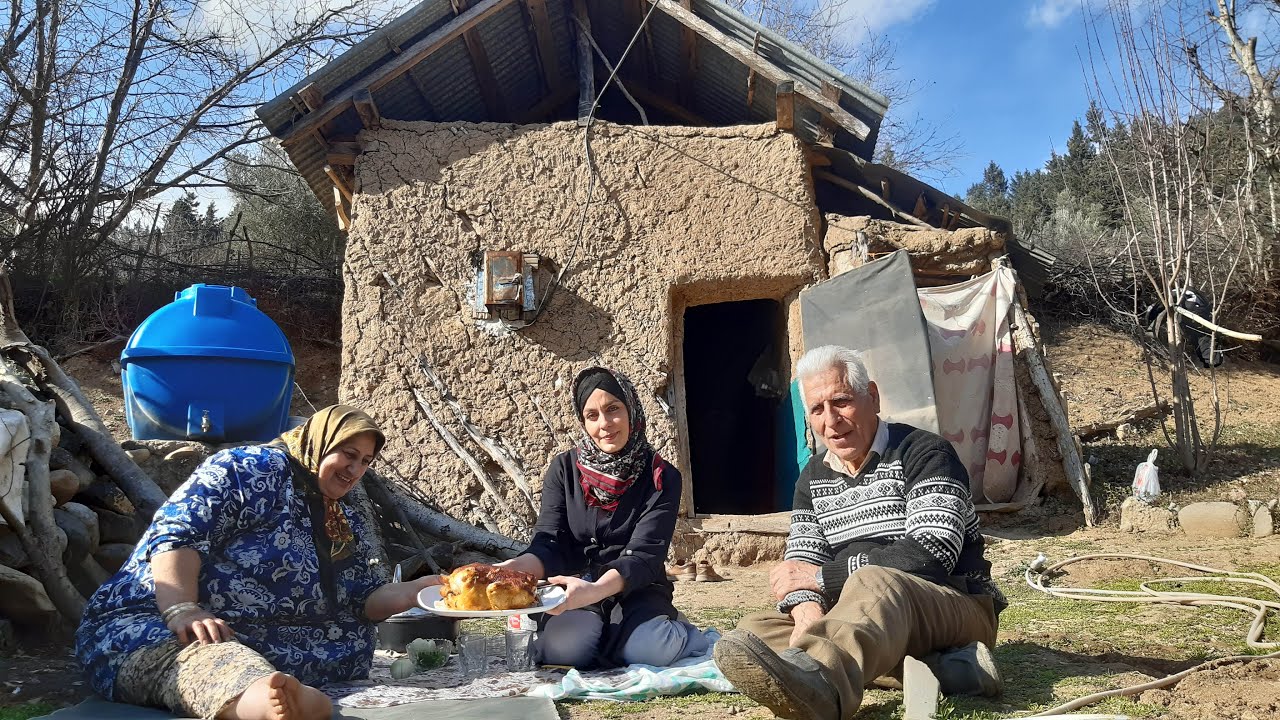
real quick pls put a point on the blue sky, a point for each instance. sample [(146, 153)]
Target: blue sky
[(1009, 75), (1005, 74)]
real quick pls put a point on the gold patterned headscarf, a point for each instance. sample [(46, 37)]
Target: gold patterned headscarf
[(310, 442)]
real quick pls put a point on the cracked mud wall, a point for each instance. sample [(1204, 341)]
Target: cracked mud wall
[(680, 217)]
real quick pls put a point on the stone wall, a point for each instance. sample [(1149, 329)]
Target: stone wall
[(680, 217)]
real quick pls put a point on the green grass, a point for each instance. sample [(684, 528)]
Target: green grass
[(23, 712), (679, 705), (722, 619)]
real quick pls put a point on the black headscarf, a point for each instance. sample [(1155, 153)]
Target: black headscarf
[(606, 476)]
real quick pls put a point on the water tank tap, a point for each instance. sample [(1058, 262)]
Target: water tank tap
[(205, 425)]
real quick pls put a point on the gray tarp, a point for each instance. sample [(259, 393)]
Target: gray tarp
[(509, 708), (875, 309)]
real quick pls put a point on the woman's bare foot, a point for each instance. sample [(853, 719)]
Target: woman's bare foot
[(279, 696)]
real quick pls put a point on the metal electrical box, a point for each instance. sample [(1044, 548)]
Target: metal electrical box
[(510, 285), (503, 278)]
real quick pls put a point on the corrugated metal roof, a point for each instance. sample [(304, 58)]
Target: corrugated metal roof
[(444, 86)]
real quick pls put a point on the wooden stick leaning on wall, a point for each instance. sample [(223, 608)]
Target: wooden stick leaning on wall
[(1025, 345), (441, 525), (382, 494), (467, 458), (509, 464)]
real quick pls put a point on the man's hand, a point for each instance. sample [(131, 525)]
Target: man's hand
[(199, 625), (791, 575), (804, 615)]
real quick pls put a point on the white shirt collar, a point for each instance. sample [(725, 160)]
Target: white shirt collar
[(878, 446)]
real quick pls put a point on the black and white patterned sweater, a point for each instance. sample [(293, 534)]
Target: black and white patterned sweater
[(908, 508)]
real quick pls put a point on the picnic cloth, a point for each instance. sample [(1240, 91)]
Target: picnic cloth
[(446, 692), (443, 683), (510, 708), (637, 683)]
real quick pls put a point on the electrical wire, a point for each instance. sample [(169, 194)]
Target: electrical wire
[(591, 165), (1039, 568)]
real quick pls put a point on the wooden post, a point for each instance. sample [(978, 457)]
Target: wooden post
[(688, 57), (1025, 345), (785, 105), (544, 46), (482, 68), (367, 109), (311, 96), (586, 63)]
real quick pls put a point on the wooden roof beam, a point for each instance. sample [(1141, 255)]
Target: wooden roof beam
[(586, 62), (666, 105), (640, 67), (396, 67), (544, 47), (895, 211), (784, 104), (763, 67), (688, 57), (367, 109), (311, 96), (480, 65)]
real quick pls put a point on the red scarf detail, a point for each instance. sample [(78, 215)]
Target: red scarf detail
[(604, 491)]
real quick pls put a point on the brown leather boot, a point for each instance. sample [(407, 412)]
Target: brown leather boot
[(791, 684), (706, 573)]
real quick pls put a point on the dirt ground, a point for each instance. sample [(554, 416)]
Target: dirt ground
[(1050, 650)]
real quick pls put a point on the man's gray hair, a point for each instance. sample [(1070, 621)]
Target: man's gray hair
[(821, 359)]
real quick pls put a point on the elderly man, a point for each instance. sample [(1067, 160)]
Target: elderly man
[(883, 560)]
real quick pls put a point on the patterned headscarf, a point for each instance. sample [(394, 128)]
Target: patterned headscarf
[(309, 443), (606, 476)]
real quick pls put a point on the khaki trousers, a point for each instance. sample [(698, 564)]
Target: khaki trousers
[(883, 616)]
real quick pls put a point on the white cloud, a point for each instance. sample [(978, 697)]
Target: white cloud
[(876, 15), (259, 24), (1051, 13)]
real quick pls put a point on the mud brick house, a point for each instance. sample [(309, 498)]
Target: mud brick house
[(488, 259)]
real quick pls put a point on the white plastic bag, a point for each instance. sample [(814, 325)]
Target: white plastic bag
[(1146, 480)]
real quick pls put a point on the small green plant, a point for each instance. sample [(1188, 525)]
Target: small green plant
[(23, 712), (421, 655)]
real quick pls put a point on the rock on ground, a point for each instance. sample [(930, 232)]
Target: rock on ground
[(1138, 516), (1214, 519), (22, 598)]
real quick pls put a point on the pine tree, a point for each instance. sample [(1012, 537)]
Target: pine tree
[(991, 194)]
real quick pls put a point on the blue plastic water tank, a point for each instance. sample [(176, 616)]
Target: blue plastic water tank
[(208, 366)]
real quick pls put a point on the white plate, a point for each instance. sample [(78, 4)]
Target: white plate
[(548, 597)]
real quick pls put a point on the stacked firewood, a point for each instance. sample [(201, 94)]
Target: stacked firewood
[(87, 499)]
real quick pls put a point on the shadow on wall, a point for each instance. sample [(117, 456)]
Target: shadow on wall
[(572, 327)]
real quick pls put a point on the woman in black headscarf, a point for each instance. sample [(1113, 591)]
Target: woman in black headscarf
[(609, 508)]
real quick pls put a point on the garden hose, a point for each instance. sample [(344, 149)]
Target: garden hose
[(1039, 568)]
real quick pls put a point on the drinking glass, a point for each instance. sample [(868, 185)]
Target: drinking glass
[(519, 650), (473, 654)]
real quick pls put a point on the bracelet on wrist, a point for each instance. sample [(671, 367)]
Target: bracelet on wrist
[(168, 614)]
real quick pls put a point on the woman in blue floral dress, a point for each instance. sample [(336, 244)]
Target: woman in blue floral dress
[(255, 582)]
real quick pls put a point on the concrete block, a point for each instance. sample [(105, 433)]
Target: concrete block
[(1264, 523), (920, 690)]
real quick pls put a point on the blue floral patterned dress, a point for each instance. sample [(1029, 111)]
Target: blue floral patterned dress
[(260, 572)]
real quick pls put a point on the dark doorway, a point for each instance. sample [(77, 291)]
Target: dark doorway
[(732, 389)]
